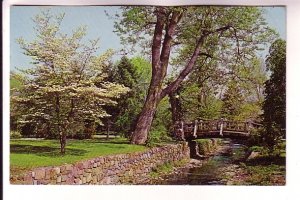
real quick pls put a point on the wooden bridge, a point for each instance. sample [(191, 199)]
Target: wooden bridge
[(213, 129)]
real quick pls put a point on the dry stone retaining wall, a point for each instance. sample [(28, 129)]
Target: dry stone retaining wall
[(131, 168)]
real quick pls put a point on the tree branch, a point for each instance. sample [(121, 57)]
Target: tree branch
[(167, 43), (189, 66), (156, 43)]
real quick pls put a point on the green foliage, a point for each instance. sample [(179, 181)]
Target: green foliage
[(255, 137), (16, 80), (199, 102), (15, 134), (232, 101), (262, 175), (167, 168), (274, 106), (244, 94), (206, 145), (133, 74), (16, 83), (135, 25), (66, 87), (161, 124)]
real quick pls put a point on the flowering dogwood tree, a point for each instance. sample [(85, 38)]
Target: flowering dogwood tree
[(67, 85)]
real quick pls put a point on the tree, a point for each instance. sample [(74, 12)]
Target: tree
[(274, 117), (59, 95), (230, 33), (128, 73), (232, 101)]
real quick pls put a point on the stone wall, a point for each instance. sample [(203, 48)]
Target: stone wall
[(130, 168)]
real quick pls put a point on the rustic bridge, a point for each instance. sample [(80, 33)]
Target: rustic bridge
[(213, 129)]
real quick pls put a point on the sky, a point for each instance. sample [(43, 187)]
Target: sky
[(98, 26)]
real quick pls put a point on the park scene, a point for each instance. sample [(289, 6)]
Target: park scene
[(147, 95)]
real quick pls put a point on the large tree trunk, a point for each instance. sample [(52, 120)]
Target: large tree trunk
[(143, 125), (159, 70)]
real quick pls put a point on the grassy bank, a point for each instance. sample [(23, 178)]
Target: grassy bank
[(265, 168), (28, 154), (206, 146), (167, 168)]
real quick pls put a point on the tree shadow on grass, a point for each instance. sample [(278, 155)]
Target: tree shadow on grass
[(44, 151)]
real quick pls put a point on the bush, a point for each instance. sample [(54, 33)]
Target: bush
[(206, 145), (158, 135), (255, 137), (15, 134)]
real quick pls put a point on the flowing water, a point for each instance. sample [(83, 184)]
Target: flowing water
[(210, 171)]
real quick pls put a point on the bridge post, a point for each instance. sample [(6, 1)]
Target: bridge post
[(182, 131), (201, 124), (221, 127), (195, 128)]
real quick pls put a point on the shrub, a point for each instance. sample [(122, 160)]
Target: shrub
[(15, 134), (158, 135), (206, 145)]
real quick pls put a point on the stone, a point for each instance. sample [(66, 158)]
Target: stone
[(64, 178), (83, 180), (96, 171), (75, 172), (88, 170), (54, 171), (78, 181), (69, 167), (94, 179), (80, 172), (28, 179), (63, 169), (85, 165), (53, 182), (57, 170), (70, 180), (253, 155), (101, 160), (47, 174), (79, 166), (39, 174), (58, 180), (89, 178), (106, 181)]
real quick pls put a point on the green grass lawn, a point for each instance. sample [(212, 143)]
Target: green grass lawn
[(28, 154)]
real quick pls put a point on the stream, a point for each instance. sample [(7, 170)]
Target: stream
[(212, 171)]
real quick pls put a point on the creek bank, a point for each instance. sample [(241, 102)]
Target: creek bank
[(201, 151), (227, 165)]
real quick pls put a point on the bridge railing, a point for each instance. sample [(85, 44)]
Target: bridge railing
[(199, 127)]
